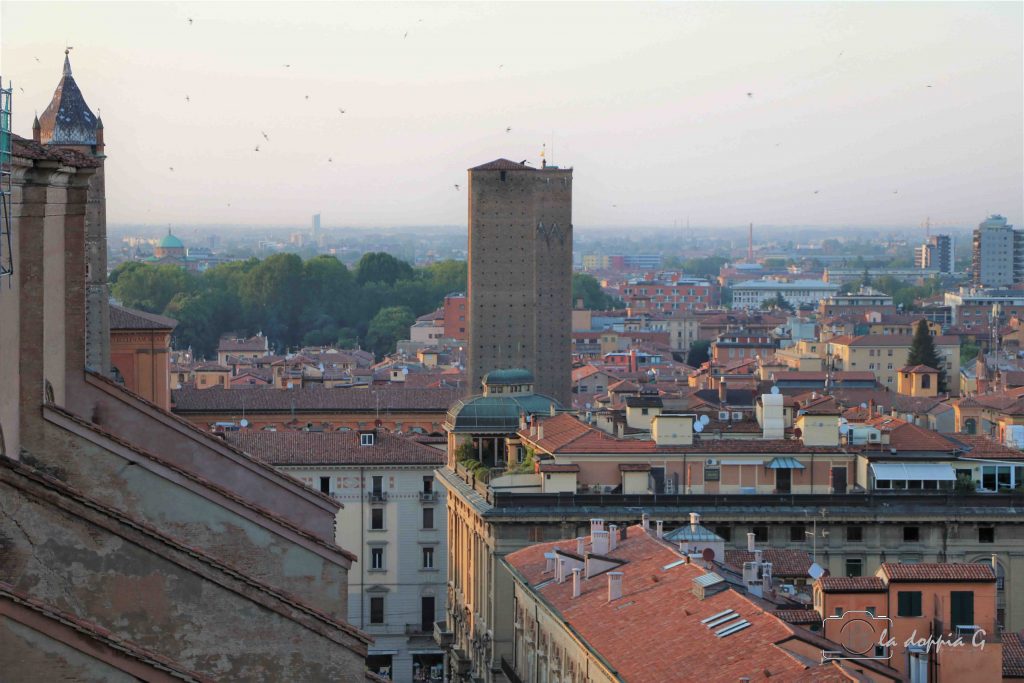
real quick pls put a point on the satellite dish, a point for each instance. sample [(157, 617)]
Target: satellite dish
[(243, 422), (797, 432), (704, 419), (863, 405), (815, 571), (844, 429), (588, 406), (775, 390), (699, 427), (708, 554)]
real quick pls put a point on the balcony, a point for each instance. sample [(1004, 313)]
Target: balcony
[(419, 631), (378, 496), (428, 496), (442, 636)]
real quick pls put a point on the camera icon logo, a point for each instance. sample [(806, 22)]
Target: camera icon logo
[(860, 635)]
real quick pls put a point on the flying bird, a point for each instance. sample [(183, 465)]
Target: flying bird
[(508, 129), (895, 191), (187, 98), (928, 86), (37, 59), (21, 89), (456, 187), (190, 21), (750, 95), (265, 136), (816, 192), (307, 97), (330, 159), (257, 148), (171, 167), (287, 66), (500, 66), (340, 110)]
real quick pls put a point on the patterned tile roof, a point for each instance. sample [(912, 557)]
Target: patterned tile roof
[(852, 584), (786, 562), (502, 165), (230, 345), (798, 616), (904, 436), (1013, 655), (318, 399), (24, 148), (983, 447), (67, 119), (122, 318), (938, 571), (659, 606), (333, 448)]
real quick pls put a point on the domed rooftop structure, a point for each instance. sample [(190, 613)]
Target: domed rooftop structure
[(508, 395), (169, 241), (67, 120)]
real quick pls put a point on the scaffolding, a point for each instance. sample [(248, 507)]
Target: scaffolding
[(6, 255)]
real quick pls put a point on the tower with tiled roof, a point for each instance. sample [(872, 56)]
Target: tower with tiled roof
[(68, 122), (520, 274)]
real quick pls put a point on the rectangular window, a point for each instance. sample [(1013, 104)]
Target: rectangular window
[(378, 485), (428, 558), (325, 484), (961, 608), (427, 613), (377, 610), (366, 439), (376, 558), (428, 484), (854, 534), (760, 534), (377, 518), (724, 532), (428, 518), (986, 534), (908, 604), (911, 534), (854, 567), (797, 534)]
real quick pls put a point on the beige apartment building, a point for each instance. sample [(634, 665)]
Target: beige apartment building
[(886, 354)]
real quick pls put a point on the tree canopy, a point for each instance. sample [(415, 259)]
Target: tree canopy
[(293, 302), (922, 352), (587, 287)]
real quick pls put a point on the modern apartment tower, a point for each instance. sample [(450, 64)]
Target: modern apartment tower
[(997, 258), (935, 254), (520, 274)]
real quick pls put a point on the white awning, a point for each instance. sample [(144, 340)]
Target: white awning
[(913, 471)]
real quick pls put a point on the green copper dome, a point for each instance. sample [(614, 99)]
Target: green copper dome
[(508, 376), (169, 241)]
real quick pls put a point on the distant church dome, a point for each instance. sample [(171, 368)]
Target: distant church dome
[(169, 245), (67, 120)]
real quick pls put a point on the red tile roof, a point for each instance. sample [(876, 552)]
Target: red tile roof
[(333, 448), (558, 467), (798, 616), (917, 369), (852, 584), (502, 165), (122, 318), (905, 436), (984, 447), (786, 562), (853, 376), (659, 606), (938, 572), (316, 399), (257, 343), (1013, 655)]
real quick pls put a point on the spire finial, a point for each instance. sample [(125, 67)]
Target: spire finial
[(67, 60)]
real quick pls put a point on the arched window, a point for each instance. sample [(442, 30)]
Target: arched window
[(926, 381), (970, 426)]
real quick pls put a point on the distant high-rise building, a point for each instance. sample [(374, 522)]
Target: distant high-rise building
[(997, 258), (316, 225), (935, 254), (520, 274)]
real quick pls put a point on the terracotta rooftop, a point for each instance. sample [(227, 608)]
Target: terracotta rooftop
[(228, 344), (658, 605), (983, 447), (1013, 655), (904, 436), (798, 616), (122, 318), (889, 340), (332, 448), (938, 571), (318, 399), (502, 165), (27, 149), (852, 584), (786, 562), (917, 369)]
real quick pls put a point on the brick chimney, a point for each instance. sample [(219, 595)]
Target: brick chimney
[(722, 389)]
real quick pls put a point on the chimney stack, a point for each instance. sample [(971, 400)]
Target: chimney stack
[(596, 525), (995, 564), (599, 543), (694, 521), (758, 554), (579, 545), (661, 528), (560, 569), (750, 541), (722, 389), (576, 582), (613, 537), (614, 586), (549, 562), (645, 519)]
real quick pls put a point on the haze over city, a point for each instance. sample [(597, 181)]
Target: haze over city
[(804, 114)]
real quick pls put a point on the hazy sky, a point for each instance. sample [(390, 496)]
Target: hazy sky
[(649, 103)]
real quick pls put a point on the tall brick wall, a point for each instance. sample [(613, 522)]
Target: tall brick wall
[(520, 276)]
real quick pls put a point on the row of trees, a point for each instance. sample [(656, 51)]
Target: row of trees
[(295, 303)]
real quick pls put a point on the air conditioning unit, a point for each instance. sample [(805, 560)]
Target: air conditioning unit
[(736, 416), (710, 462), (723, 415)]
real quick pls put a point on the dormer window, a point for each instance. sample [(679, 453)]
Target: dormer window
[(366, 439)]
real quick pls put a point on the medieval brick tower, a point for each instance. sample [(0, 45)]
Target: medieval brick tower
[(520, 274), (68, 123)]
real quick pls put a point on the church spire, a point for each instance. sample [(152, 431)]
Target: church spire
[(67, 120), (67, 61)]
